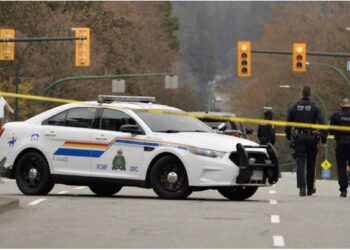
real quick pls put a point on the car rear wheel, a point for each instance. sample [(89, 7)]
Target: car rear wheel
[(169, 178), (33, 174), (105, 189), (238, 193)]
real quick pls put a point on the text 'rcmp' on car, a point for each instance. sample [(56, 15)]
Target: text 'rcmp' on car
[(130, 141)]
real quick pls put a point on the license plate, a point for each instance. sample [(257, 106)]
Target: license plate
[(257, 175)]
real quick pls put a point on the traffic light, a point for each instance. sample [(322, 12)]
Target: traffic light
[(299, 57), (7, 49), (244, 59), (82, 47)]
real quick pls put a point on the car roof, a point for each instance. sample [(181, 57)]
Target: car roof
[(215, 113), (131, 105), (94, 104)]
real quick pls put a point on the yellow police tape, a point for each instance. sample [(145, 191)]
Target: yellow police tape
[(214, 117), (276, 123), (37, 98), (284, 135)]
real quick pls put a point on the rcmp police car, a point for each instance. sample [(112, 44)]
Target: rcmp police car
[(129, 141)]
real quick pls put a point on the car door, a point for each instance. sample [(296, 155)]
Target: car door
[(68, 140), (120, 154)]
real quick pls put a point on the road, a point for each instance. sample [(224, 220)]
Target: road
[(72, 217)]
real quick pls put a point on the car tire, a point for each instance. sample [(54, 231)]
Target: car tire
[(238, 193), (169, 178), (33, 174), (105, 190)]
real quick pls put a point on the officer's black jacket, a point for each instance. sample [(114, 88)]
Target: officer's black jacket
[(266, 133), (305, 111), (341, 118)]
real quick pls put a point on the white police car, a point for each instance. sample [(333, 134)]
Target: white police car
[(129, 141)]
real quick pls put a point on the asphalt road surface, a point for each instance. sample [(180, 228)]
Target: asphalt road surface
[(72, 217)]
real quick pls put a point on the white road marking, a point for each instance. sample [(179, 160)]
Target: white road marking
[(7, 180), (278, 241), (273, 202), (275, 219), (36, 202), (272, 191), (62, 192), (77, 188)]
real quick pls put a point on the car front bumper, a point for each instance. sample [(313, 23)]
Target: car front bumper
[(247, 166)]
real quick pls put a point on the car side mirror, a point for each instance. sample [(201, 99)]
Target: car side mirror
[(222, 126), (129, 128), (249, 131)]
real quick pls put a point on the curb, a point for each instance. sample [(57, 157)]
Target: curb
[(7, 204)]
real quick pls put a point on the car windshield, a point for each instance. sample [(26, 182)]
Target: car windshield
[(172, 123)]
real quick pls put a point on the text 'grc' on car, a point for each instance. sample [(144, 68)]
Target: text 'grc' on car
[(130, 141)]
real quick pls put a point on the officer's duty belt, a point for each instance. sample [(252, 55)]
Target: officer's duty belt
[(304, 132)]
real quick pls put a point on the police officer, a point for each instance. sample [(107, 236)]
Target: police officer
[(306, 140), (342, 118), (267, 133)]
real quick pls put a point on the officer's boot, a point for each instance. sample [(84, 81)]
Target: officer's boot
[(343, 193)]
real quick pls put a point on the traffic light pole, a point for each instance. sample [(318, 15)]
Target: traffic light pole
[(40, 39), (30, 40), (94, 77), (309, 53)]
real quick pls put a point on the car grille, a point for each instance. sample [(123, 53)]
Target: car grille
[(259, 158)]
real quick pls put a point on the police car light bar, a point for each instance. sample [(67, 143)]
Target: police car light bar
[(112, 98)]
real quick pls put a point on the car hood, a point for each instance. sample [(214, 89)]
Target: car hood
[(213, 141)]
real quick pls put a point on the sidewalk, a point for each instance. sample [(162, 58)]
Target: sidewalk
[(7, 203)]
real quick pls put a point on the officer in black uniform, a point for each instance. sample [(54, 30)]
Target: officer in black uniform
[(306, 140), (267, 133), (342, 118)]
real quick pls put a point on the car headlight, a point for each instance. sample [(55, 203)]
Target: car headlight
[(207, 152)]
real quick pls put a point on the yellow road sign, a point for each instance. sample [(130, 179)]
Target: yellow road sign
[(326, 164)]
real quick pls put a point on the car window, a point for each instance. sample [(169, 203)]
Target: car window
[(57, 120), (114, 119), (80, 117)]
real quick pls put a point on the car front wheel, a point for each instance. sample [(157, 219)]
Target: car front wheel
[(238, 193), (33, 174), (169, 178), (105, 189)]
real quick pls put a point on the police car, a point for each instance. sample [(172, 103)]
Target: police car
[(130, 141)]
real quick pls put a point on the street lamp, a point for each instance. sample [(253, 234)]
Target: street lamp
[(211, 87), (285, 86), (53, 84), (333, 67)]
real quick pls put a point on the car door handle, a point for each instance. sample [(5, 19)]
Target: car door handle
[(51, 133), (101, 138)]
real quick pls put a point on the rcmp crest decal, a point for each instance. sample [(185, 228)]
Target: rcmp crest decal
[(119, 162)]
